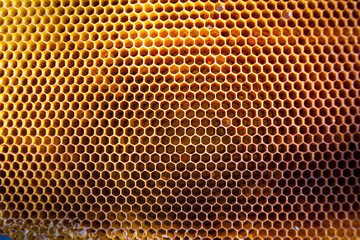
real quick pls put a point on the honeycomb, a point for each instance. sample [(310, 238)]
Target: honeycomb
[(179, 119)]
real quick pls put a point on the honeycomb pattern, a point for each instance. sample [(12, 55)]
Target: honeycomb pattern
[(177, 119)]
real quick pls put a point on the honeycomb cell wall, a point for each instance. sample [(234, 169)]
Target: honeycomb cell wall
[(180, 119)]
